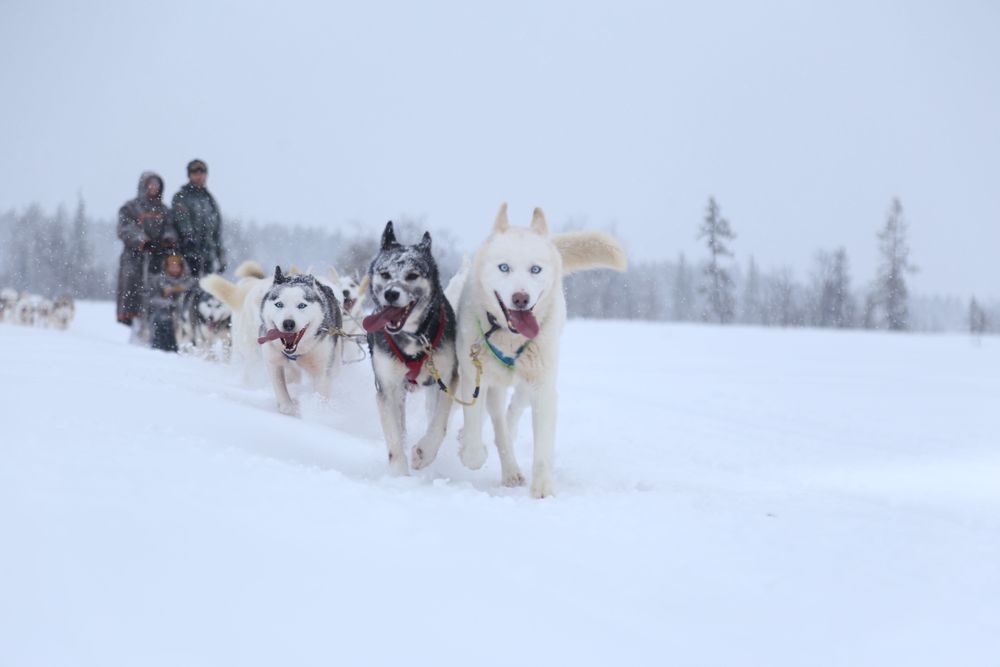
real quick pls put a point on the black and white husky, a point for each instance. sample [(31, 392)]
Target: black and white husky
[(204, 323), (411, 330), (300, 324), (287, 322)]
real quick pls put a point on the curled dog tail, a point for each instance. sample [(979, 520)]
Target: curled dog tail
[(590, 250), (221, 289), (250, 269)]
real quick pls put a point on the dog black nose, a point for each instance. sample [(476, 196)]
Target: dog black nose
[(521, 300), (347, 293), (391, 295), (288, 325)]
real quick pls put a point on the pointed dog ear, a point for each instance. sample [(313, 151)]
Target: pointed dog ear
[(501, 224), (331, 297), (538, 223), (333, 275), (425, 241), (278, 276), (363, 286), (388, 237)]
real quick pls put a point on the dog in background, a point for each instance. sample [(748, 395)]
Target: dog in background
[(8, 299), (352, 293), (204, 324), (63, 312)]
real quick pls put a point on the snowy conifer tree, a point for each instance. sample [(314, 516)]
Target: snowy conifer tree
[(833, 304), (978, 322), (683, 292), (753, 298), (891, 293), (720, 303)]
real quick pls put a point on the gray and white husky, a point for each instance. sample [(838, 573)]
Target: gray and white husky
[(288, 322), (412, 323), (204, 323), (300, 321)]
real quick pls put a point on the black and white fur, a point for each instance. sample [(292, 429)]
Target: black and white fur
[(404, 280), (306, 313), (204, 323)]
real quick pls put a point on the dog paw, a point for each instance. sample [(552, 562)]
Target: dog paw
[(512, 478), (422, 455), (418, 457), (397, 466), (473, 457), (289, 408), (541, 486)]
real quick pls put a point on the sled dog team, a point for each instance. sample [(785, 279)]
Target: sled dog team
[(497, 326), (34, 310)]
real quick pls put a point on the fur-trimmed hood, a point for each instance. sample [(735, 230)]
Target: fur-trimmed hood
[(144, 179)]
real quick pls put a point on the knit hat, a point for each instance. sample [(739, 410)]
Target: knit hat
[(197, 165)]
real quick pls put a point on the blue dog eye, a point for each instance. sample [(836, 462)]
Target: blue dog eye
[(278, 304), (504, 268), (536, 269), (301, 306)]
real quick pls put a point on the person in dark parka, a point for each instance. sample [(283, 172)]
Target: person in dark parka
[(199, 223), (147, 230)]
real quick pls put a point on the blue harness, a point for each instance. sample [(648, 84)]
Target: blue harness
[(497, 352)]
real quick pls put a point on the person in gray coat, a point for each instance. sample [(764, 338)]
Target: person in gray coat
[(147, 231), (166, 292), (199, 223)]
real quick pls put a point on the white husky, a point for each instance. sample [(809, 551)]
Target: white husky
[(512, 308)]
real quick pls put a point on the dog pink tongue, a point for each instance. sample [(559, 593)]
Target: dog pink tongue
[(377, 321), (524, 321), (274, 334)]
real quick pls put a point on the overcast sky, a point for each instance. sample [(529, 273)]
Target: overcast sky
[(803, 120)]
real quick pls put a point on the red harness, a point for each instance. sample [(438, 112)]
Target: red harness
[(415, 364)]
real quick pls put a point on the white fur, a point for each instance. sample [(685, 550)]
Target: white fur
[(453, 291), (534, 374), (243, 298)]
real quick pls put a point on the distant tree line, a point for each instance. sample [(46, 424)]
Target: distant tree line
[(717, 289), (56, 254)]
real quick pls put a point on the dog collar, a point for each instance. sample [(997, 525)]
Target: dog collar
[(415, 364), (497, 352)]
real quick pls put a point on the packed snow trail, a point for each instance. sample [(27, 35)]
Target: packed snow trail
[(725, 496)]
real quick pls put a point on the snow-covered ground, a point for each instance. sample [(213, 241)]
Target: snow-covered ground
[(726, 496)]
